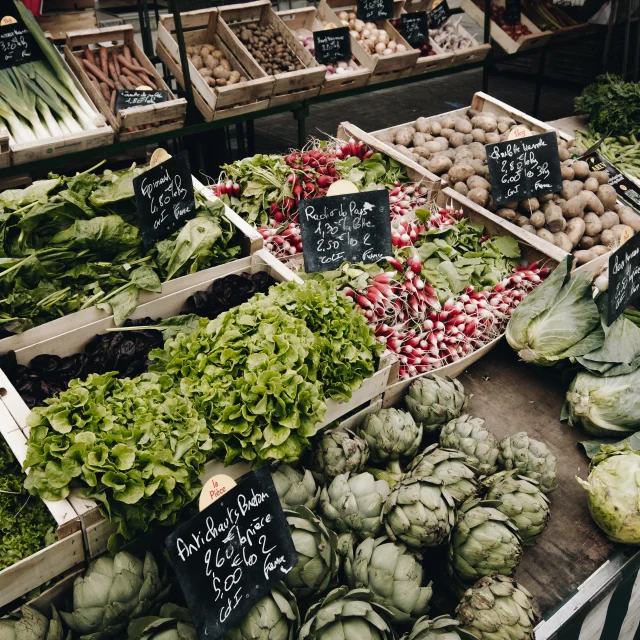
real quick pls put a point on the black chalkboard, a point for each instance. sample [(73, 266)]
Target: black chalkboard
[(228, 556), (355, 227), (165, 198), (624, 277), (372, 10), (512, 11), (128, 98), (332, 45), (17, 46), (415, 28), (439, 15), (523, 168)]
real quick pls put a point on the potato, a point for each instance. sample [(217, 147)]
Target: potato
[(443, 142), (581, 169), (478, 135), (582, 257), (197, 62), (537, 219), (546, 198), (461, 172), (485, 122), (456, 140), (591, 184), (622, 233), (402, 149), (586, 242), (507, 214), (563, 154), (423, 163), (554, 219), (234, 77), (447, 133), (433, 146), (479, 196), (467, 138), (601, 176), (463, 125), (562, 240), (478, 150), (521, 220), (422, 152), (439, 165), (205, 73), (545, 234), (477, 182), (593, 203), (575, 207), (463, 153), (593, 226), (503, 127), (436, 128), (422, 125), (607, 238), (570, 188), (405, 136), (221, 82), (447, 153), (461, 187), (223, 61), (386, 137), (608, 219), (448, 122), (220, 73), (606, 194), (511, 205), (531, 204), (479, 167), (492, 138), (529, 228), (567, 173), (575, 230), (629, 217)]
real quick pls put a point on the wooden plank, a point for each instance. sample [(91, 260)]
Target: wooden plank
[(59, 24), (67, 5), (5, 152)]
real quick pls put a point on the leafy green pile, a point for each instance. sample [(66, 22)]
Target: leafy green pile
[(613, 106), (68, 243), (26, 526), (347, 346), (136, 446), (375, 172)]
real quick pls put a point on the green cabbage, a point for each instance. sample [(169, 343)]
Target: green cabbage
[(558, 320), (604, 406)]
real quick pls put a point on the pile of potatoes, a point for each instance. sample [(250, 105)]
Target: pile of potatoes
[(269, 48), (583, 219), (213, 66)]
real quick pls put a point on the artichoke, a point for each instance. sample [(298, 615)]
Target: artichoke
[(32, 625), (521, 500), (614, 493), (347, 540), (347, 615), (339, 451), (440, 628), (497, 608), (173, 623), (113, 592), (450, 466), (468, 435), (531, 458), (419, 512), (295, 489), (394, 576), (274, 617), (391, 435), (354, 503), (317, 562), (484, 542), (433, 401)]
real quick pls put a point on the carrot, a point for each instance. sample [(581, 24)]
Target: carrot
[(104, 59), (88, 54), (119, 86), (127, 53), (112, 70), (116, 64), (105, 91), (98, 73), (134, 77), (126, 83), (129, 65), (112, 102)]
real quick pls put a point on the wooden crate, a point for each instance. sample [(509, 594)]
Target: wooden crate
[(250, 242), (169, 115), (293, 86), (96, 529), (58, 24), (536, 39), (313, 19), (205, 27), (5, 153), (56, 559), (102, 136)]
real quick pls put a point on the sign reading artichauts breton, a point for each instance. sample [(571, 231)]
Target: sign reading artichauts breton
[(128, 98), (17, 45), (372, 10), (624, 277), (332, 45), (524, 168), (353, 227), (228, 556), (165, 198)]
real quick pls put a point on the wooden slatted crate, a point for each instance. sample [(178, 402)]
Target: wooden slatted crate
[(215, 103), (5, 152), (292, 86), (58, 24)]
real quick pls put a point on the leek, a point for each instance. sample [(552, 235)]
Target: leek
[(49, 118), (19, 131), (23, 101)]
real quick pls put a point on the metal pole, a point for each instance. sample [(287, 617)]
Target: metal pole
[(627, 38), (145, 27), (184, 60), (607, 41), (300, 114), (637, 56), (539, 77), (487, 40)]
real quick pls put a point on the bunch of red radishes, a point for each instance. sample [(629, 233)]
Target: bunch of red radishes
[(283, 242)]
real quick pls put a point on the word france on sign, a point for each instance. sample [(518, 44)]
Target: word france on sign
[(373, 10), (524, 168), (332, 45), (624, 277), (128, 98), (165, 198), (353, 227), (439, 14), (415, 27), (17, 45), (228, 556)]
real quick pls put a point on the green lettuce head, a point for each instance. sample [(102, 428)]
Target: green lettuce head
[(558, 320)]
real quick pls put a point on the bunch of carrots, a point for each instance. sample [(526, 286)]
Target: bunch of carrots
[(110, 72)]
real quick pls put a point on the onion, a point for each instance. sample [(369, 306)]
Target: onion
[(400, 48), (392, 45), (352, 15), (343, 15), (359, 26), (380, 48), (370, 25), (369, 44), (386, 52), (352, 23), (342, 64), (383, 36), (366, 33)]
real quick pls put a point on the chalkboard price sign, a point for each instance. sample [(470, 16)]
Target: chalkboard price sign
[(373, 10), (624, 277), (524, 168), (17, 46), (354, 227), (332, 45), (512, 11), (128, 98), (415, 28), (165, 198), (228, 556), (439, 14)]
